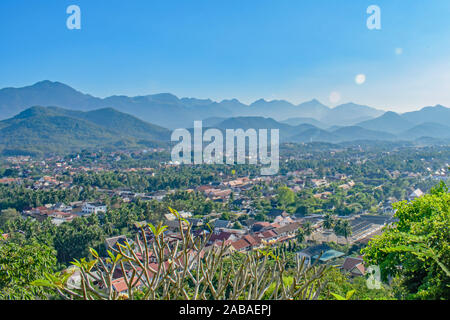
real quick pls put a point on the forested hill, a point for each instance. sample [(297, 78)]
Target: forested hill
[(42, 130)]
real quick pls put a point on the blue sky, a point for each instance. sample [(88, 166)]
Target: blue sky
[(248, 49)]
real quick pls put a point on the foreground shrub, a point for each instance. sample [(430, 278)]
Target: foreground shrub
[(157, 267)]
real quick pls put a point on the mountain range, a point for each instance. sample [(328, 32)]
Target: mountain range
[(161, 108), (306, 132), (51, 117)]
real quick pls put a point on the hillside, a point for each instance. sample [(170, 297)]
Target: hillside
[(305, 132), (390, 122), (300, 120), (84, 121), (55, 130), (350, 114), (438, 114), (427, 129)]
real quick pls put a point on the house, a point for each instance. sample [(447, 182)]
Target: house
[(254, 241), (273, 213), (288, 230), (74, 280), (354, 266), (339, 176), (152, 258), (222, 224), (282, 221), (317, 183), (246, 243), (268, 235), (229, 249), (323, 195), (174, 225), (239, 182), (415, 194), (39, 213), (311, 252), (183, 214), (195, 223), (158, 196), (262, 225), (91, 207), (120, 286), (205, 188), (220, 237), (8, 180), (59, 217), (62, 207), (241, 245), (218, 194), (113, 241)]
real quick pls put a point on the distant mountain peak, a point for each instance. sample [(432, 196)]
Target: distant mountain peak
[(390, 114), (262, 100), (47, 84), (234, 100), (31, 112), (314, 101), (163, 96), (350, 105), (436, 107)]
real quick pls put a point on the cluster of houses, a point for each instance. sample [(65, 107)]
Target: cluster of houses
[(60, 213), (254, 236)]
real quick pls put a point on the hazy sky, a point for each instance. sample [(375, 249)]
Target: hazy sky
[(247, 49)]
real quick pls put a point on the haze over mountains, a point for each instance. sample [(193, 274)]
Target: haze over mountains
[(53, 117), (161, 108)]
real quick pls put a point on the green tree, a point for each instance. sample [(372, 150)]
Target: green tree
[(8, 215), (285, 197), (339, 283), (20, 264), (343, 228), (329, 221), (307, 228), (300, 235), (416, 248)]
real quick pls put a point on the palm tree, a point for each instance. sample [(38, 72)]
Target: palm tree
[(346, 229), (343, 228), (329, 221), (300, 235), (307, 228)]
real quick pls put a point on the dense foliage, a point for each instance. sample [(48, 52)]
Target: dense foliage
[(20, 265), (417, 247)]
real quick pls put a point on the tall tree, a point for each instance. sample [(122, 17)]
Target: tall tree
[(329, 221)]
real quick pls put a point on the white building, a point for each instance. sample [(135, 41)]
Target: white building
[(90, 208), (416, 194)]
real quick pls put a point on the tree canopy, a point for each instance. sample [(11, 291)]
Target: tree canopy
[(416, 248)]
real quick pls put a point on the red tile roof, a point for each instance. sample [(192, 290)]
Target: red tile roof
[(351, 263), (275, 225), (253, 241), (120, 285), (220, 237), (268, 234), (241, 244), (262, 224)]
